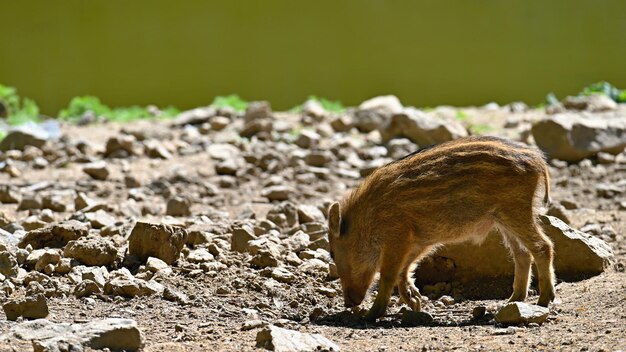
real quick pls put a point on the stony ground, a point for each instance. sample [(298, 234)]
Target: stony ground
[(270, 179)]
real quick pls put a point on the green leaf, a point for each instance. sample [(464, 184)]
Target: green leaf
[(19, 110), (230, 101), (81, 105)]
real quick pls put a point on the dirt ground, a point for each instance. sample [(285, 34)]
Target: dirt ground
[(589, 315)]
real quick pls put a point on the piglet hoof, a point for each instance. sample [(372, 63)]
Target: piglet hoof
[(374, 313), (544, 300), (415, 304)]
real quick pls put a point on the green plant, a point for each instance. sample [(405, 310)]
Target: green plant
[(230, 101), (19, 110), (80, 105), (551, 99), (461, 115), (607, 89), (480, 128)]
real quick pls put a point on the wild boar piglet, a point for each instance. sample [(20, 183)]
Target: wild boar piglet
[(450, 193)]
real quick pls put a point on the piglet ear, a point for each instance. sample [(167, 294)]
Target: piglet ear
[(334, 220)]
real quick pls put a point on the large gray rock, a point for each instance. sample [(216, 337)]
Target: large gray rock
[(284, 340), (114, 334), (32, 307), (374, 112), (54, 236), (421, 128), (573, 137), (577, 256), (92, 250), (516, 313), (156, 240)]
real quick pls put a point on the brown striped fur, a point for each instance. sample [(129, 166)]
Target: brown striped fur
[(450, 193)]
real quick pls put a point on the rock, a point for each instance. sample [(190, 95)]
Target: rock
[(572, 137), (264, 259), (200, 255), (156, 240), (240, 238), (284, 340), (173, 295), (255, 127), (307, 139), (56, 236), (374, 112), (28, 307), (577, 256), (178, 206), (155, 264), (223, 151), (196, 116), (558, 211), (87, 288), (227, 167), (9, 194), (593, 103), (33, 223), (218, 123), (411, 318), (479, 312), (313, 108), (421, 128), (314, 266), (342, 123), (100, 219), (282, 274), (131, 181), (284, 215), (446, 300), (19, 138), (516, 313), (92, 250), (120, 146), (8, 264), (252, 324), (97, 170), (277, 193), (79, 273), (29, 202), (53, 202), (298, 241), (310, 213), (113, 334), (258, 110), (131, 287), (154, 149), (47, 258)]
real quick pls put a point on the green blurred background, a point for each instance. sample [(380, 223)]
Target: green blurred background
[(427, 52)]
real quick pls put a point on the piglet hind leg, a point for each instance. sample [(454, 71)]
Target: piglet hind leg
[(523, 260), (408, 292), (530, 234)]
